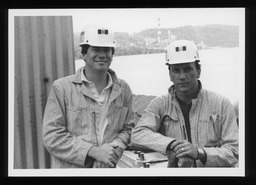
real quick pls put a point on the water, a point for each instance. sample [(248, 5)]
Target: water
[(221, 72)]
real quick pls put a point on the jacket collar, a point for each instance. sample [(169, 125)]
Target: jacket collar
[(174, 101), (78, 79), (116, 89)]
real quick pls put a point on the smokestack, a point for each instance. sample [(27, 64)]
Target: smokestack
[(158, 31)]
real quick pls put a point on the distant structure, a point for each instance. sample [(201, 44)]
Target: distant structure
[(169, 36), (158, 31), (201, 45), (159, 43)]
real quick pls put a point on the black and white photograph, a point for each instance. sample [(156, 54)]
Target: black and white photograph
[(129, 91)]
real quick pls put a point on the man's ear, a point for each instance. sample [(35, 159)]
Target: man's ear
[(199, 73), (83, 56), (170, 75)]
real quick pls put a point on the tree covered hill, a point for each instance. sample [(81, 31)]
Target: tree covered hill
[(210, 35)]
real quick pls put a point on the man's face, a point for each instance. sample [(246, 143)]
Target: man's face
[(98, 58), (184, 76)]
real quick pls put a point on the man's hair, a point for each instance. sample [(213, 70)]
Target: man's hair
[(86, 46), (198, 66)]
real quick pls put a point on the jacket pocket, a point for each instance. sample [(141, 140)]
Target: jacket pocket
[(171, 127), (210, 131), (78, 120)]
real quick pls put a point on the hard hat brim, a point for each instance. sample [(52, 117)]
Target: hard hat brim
[(180, 62), (99, 45)]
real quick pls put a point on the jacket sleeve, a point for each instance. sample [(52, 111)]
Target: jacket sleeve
[(124, 136), (146, 133), (57, 140), (226, 155)]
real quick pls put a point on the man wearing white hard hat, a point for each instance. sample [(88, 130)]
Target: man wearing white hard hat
[(89, 116), (194, 127)]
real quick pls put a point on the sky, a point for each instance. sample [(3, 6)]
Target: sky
[(133, 20)]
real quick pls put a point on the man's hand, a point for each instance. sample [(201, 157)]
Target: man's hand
[(105, 154), (186, 162), (120, 152), (184, 148), (118, 149), (172, 160)]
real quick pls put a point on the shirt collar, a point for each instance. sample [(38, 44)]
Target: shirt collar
[(110, 80)]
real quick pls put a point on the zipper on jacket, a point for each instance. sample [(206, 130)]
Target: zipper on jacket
[(184, 132), (95, 128), (94, 118)]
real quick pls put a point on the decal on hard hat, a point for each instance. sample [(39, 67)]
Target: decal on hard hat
[(183, 48), (102, 31)]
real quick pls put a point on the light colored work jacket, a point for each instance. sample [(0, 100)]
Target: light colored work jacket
[(71, 116), (212, 122)]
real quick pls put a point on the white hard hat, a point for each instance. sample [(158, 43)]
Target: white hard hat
[(95, 35), (181, 51)]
